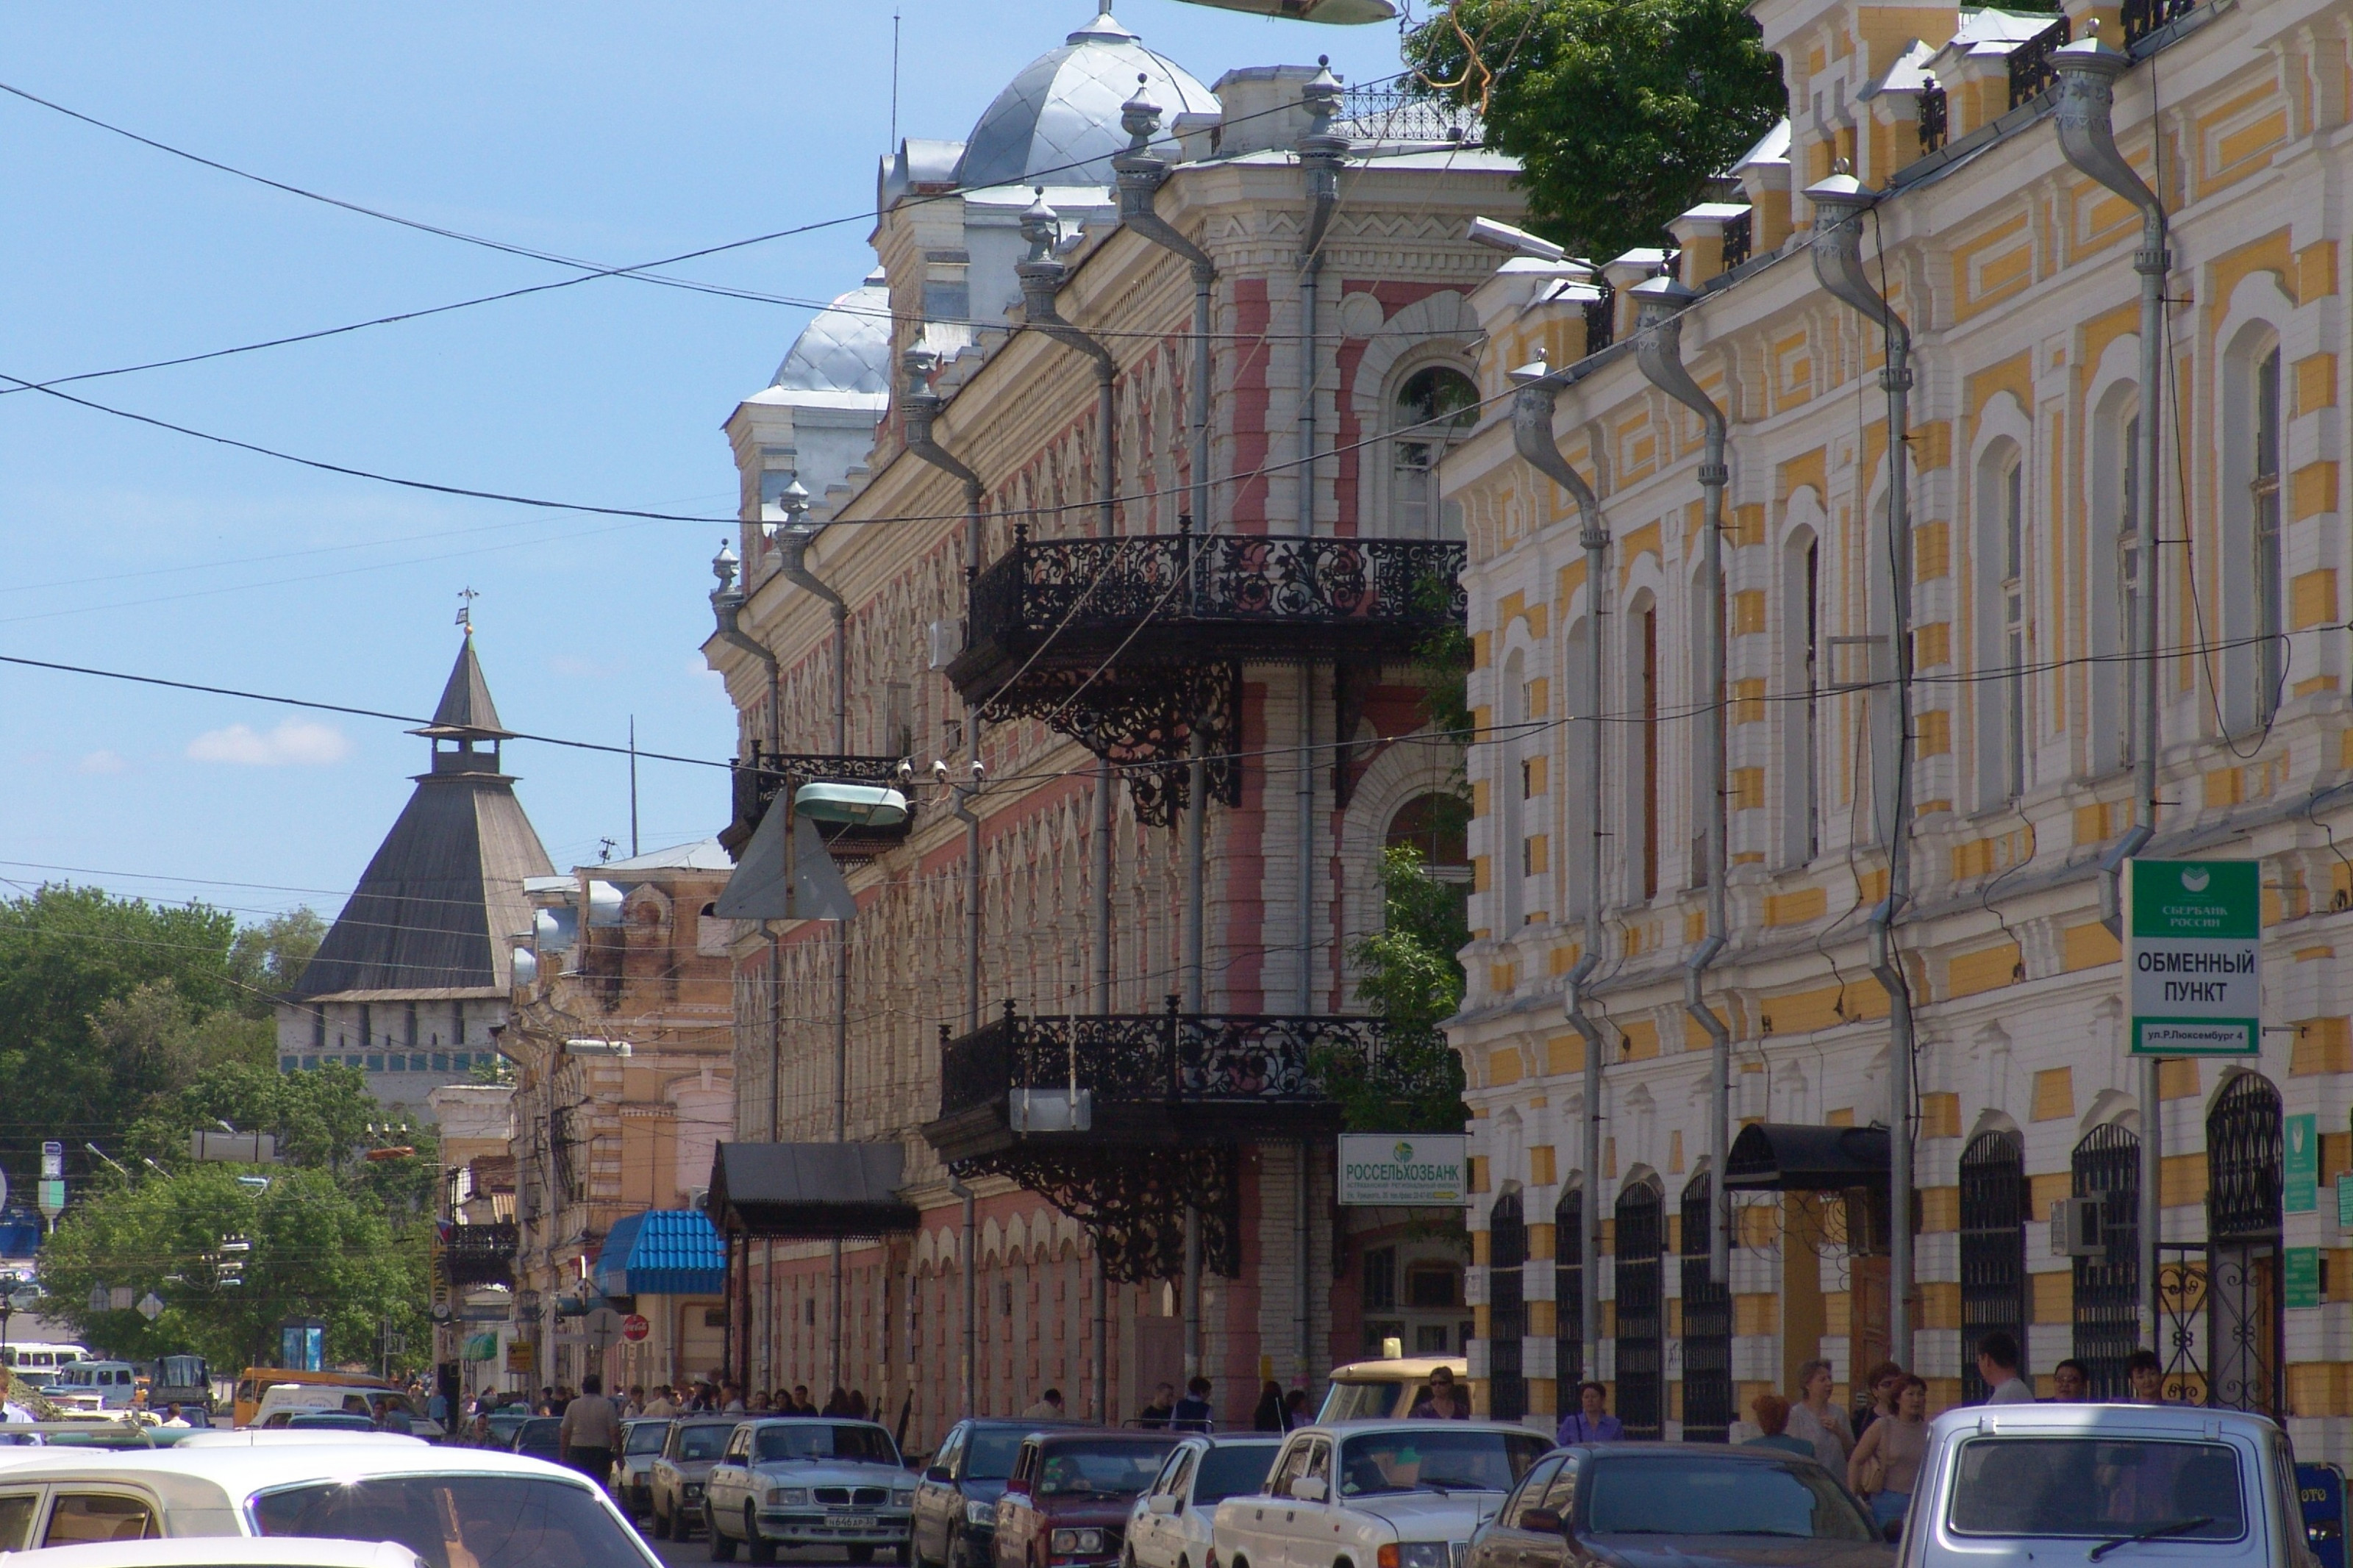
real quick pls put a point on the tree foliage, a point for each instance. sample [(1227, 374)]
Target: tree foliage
[(1413, 981), (1619, 111)]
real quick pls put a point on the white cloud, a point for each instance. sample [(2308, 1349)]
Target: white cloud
[(300, 743), (104, 761)]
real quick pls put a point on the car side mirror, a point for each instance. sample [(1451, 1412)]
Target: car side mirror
[(937, 1473), (1893, 1534), (1162, 1503), (1543, 1520), (1307, 1488)]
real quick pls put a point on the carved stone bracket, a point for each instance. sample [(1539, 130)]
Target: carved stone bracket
[(1140, 718), (1132, 1200)]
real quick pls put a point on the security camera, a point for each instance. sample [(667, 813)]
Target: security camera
[(979, 772), (939, 771), (906, 770)]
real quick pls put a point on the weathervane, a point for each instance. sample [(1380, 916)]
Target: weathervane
[(465, 597)]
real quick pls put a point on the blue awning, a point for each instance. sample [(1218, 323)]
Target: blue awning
[(663, 1252)]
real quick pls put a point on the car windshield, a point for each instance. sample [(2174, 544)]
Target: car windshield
[(646, 1437), (1430, 1458), (1695, 1494), (1110, 1471), (1360, 1401), (1232, 1470), (540, 1430), (459, 1522), (823, 1441), (2085, 1486), (702, 1442), (989, 1456)]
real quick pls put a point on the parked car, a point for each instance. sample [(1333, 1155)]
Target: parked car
[(682, 1469), (956, 1501), (2061, 1483), (542, 1438), (1069, 1496), (1695, 1505), (642, 1444), (793, 1481), (1385, 1390), (1401, 1494), (1169, 1525), (231, 1552), (281, 1402), (94, 1385), (503, 1422), (326, 1421), (447, 1505)]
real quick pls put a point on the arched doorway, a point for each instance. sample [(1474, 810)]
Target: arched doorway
[(2107, 1166), (1569, 1293), (1994, 1202), (1507, 1389), (1707, 1325), (2243, 1305), (1641, 1244)]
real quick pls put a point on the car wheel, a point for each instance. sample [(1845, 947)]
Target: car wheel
[(660, 1525), (861, 1554), (722, 1547), (756, 1547)]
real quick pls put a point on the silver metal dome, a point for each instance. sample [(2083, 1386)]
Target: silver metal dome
[(846, 347), (1057, 122)]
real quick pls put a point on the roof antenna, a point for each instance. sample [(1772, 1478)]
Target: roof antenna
[(465, 597), (894, 79)]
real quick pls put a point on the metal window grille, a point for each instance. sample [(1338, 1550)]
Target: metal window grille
[(1568, 1293), (2107, 1166), (1707, 1325), (1601, 317), (1739, 237), (1507, 1389), (2243, 1301), (1993, 1249), (1641, 1244)]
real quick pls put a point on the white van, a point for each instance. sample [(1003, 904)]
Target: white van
[(95, 1386), (37, 1363), (281, 1402)]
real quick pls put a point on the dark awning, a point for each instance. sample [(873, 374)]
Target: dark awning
[(1792, 1158), (810, 1192)]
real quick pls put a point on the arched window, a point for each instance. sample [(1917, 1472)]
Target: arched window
[(1801, 717), (1507, 1391), (1512, 862), (1642, 1243), (1707, 1325), (1434, 407), (2002, 558), (1994, 1202), (1569, 1293), (1643, 805), (2243, 1152), (2252, 664), (1436, 827), (2107, 1166), (2263, 515), (2115, 579)]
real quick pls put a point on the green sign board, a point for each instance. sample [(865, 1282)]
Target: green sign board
[(2300, 1165), (2345, 1200), (2193, 965), (2300, 1273)]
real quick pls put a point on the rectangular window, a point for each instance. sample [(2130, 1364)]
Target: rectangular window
[(2129, 577), (2271, 662), (2013, 628), (440, 1061), (310, 1064), (1381, 1279), (1812, 773), (1647, 706), (375, 1061)]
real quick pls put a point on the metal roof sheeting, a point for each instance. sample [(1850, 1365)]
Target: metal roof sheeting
[(662, 1252)]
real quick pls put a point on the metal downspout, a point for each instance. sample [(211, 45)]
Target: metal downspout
[(1839, 202), (726, 610), (2087, 74), (1659, 351), (957, 1189), (1533, 439)]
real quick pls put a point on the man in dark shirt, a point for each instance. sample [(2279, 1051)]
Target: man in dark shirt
[(1155, 1416), (1194, 1412)]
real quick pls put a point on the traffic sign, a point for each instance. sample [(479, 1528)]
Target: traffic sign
[(150, 1306), (2193, 960), (635, 1328), (53, 1161), (53, 1196)]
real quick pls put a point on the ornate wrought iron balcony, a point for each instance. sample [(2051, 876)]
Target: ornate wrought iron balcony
[(763, 776), (479, 1254), (1054, 604), (2030, 70), (1148, 1078)]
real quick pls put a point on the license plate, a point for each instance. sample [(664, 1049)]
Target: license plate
[(852, 1521)]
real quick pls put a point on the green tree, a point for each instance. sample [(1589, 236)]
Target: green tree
[(268, 959), (1412, 982), (1619, 111)]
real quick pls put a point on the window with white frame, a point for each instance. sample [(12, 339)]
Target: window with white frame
[(2263, 515), (2002, 554), (1435, 407), (1799, 714)]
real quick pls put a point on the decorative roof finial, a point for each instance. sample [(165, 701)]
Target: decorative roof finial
[(465, 597), (1041, 226)]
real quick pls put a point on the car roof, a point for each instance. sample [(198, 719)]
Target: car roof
[(1420, 1423), (1015, 1424), (278, 1438), (1106, 1434), (709, 1420), (1399, 1366), (240, 1471), (228, 1551), (2170, 1420), (1235, 1439), (1739, 1453), (809, 1421)]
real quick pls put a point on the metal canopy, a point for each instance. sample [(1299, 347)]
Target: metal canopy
[(809, 1192), (1791, 1157), (662, 1252)]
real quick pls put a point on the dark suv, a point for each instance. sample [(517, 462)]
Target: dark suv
[(956, 1502), (1066, 1503)]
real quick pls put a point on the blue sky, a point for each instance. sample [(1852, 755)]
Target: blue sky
[(618, 134)]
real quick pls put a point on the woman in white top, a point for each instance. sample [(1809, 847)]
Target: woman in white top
[(1819, 1421)]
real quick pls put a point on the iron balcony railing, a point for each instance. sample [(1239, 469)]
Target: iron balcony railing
[(1739, 238), (2142, 18), (1935, 116), (1601, 317), (480, 1254), (2030, 70), (758, 779), (1242, 593), (1150, 1061)]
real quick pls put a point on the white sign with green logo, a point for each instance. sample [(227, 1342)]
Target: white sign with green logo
[(1391, 1170), (2193, 964)]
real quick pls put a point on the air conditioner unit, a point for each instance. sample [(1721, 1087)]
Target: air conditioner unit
[(947, 642), (2076, 1228)]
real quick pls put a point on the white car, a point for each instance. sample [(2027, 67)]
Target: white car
[(229, 1552), (795, 1481), (472, 1506), (1170, 1525), (281, 1402), (1401, 1494)]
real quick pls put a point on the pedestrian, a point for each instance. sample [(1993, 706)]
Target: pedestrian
[(759, 1405), (1885, 1464), (1296, 1413), (1998, 1361), (1194, 1412), (1591, 1422), (857, 1406), (389, 1416), (1268, 1417), (2147, 1376), (1772, 1413), (662, 1405), (1442, 1401), (1813, 1419), (801, 1405), (1878, 1388), (1049, 1408), (731, 1400), (591, 1431), (1156, 1413), (2071, 1382), (172, 1416), (636, 1406), (438, 1407)]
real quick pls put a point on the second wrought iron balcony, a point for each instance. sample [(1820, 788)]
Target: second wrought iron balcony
[(762, 776), (1187, 598), (1139, 1077)]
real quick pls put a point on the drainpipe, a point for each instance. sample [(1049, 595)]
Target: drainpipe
[(2087, 74), (1532, 438), (1838, 204), (1041, 277), (957, 1189), (920, 407), (1659, 350), (727, 609), (1141, 176)]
